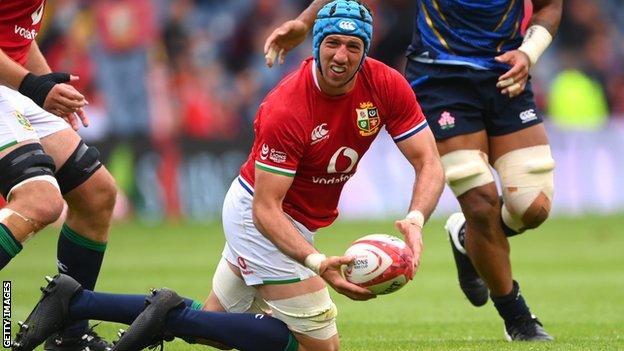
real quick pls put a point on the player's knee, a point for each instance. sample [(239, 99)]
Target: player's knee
[(538, 212), (104, 192), (480, 204), (39, 201), (527, 177), (465, 170), (313, 315)]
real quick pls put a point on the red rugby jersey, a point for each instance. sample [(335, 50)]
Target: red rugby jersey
[(20, 21), (319, 139)]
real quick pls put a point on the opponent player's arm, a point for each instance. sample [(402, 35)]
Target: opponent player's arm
[(542, 27), (291, 33)]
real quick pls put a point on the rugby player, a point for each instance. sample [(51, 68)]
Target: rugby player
[(469, 66), (43, 162), (311, 131)]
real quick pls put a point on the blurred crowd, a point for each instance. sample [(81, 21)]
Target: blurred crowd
[(170, 69)]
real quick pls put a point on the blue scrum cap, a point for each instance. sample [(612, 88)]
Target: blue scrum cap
[(346, 17)]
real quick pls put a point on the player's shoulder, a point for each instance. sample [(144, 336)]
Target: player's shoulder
[(289, 98)]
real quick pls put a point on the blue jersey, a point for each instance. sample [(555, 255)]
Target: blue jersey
[(466, 32)]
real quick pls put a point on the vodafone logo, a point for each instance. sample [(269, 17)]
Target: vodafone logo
[(347, 152)]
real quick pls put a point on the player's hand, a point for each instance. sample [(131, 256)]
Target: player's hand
[(512, 83), (413, 239), (283, 39), (72, 119), (331, 271), (63, 99)]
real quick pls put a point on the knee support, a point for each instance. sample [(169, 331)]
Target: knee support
[(312, 314), (25, 164), (466, 169), (233, 294), (527, 179), (82, 163)]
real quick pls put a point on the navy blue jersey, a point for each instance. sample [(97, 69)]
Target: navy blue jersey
[(466, 32)]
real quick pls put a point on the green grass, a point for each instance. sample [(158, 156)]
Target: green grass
[(571, 271)]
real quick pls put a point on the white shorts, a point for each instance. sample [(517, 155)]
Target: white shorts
[(259, 261), (21, 119)]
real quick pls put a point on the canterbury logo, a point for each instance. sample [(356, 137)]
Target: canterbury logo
[(319, 133), (37, 15)]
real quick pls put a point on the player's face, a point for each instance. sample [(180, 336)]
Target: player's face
[(340, 57)]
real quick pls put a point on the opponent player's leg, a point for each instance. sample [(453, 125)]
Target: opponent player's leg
[(89, 191), (525, 165), (33, 197), (468, 174)]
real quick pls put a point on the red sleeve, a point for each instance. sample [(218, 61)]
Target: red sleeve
[(405, 118), (280, 140)]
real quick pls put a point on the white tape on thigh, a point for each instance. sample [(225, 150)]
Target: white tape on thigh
[(46, 178), (524, 173), (466, 169), (233, 294), (312, 314)]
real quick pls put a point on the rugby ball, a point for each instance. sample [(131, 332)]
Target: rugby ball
[(383, 263)]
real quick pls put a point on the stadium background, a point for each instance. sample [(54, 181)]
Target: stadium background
[(173, 87)]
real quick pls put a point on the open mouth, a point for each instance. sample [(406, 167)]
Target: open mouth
[(337, 69)]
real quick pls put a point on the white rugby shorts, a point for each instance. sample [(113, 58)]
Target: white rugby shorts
[(259, 261), (21, 119)]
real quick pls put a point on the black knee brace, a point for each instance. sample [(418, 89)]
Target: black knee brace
[(25, 162), (82, 163)]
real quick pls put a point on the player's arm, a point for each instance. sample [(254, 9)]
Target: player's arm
[(36, 63), (291, 33), (542, 28), (269, 218), (61, 99), (420, 150), (11, 73)]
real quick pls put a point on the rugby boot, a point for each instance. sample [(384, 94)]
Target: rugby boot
[(50, 314), (469, 281), (526, 328), (148, 328), (89, 341)]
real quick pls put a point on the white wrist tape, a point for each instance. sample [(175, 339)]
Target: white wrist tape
[(313, 261), (416, 217), (536, 40)]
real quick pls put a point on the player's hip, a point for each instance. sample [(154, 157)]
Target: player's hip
[(259, 260), (21, 119), (460, 100)]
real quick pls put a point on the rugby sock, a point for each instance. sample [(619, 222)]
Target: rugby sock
[(80, 258), (120, 308), (9, 246), (261, 332), (511, 305)]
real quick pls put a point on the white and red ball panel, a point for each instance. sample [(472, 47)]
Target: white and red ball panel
[(383, 263)]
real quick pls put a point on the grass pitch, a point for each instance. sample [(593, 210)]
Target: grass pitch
[(571, 272)]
